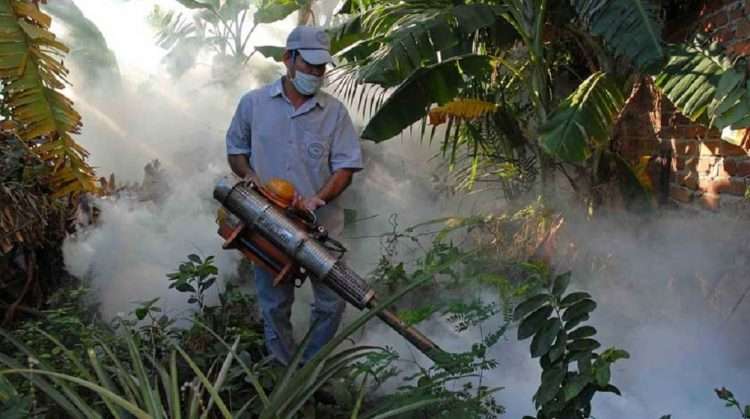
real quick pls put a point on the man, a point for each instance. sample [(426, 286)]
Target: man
[(292, 130)]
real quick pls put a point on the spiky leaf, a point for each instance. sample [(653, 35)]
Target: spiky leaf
[(630, 28), (584, 120), (32, 76), (438, 83), (705, 86), (270, 11), (273, 52), (417, 42)]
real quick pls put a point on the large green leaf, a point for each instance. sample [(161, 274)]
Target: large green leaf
[(33, 75), (347, 33), (272, 10), (194, 4), (704, 86), (89, 49), (630, 28), (438, 83), (584, 120), (273, 52), (417, 43), (354, 6)]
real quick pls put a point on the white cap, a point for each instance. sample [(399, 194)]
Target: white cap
[(312, 43)]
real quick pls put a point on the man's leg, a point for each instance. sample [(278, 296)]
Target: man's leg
[(276, 309), (327, 311)]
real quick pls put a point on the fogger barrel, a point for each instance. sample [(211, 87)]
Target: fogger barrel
[(260, 215)]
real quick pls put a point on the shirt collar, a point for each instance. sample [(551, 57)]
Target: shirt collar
[(277, 89)]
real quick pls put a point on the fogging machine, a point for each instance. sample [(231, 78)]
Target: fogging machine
[(293, 246)]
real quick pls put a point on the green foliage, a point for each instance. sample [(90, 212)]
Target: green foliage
[(149, 368), (89, 49), (728, 397), (221, 27), (417, 41), (194, 276), (536, 49), (437, 83), (12, 404), (705, 86), (33, 77), (584, 120), (553, 319), (630, 28), (270, 11)]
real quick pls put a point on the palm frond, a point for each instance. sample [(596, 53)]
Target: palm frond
[(584, 120), (32, 73), (429, 38), (270, 11), (705, 86), (630, 28), (438, 83)]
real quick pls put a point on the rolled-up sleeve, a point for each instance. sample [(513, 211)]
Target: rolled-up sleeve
[(239, 132), (346, 151)]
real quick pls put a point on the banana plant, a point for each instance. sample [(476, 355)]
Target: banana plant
[(89, 50), (223, 27), (32, 77), (534, 48)]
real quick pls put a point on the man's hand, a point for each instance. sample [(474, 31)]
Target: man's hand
[(252, 177), (307, 204)]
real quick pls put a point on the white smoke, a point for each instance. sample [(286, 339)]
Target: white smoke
[(151, 116)]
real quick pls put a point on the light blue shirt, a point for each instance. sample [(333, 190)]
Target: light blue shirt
[(304, 146)]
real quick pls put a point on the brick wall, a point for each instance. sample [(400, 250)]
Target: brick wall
[(703, 170)]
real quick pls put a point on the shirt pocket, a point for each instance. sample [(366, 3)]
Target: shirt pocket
[(316, 150)]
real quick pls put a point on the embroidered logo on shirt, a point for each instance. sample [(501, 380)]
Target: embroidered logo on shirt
[(315, 150)]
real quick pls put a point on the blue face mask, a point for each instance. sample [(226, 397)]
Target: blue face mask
[(306, 84)]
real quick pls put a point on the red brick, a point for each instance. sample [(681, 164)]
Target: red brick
[(711, 134), (723, 185), (685, 147), (693, 130), (678, 163), (740, 48), (736, 14), (743, 28), (710, 148), (710, 6), (739, 168), (716, 21), (648, 147), (681, 194), (728, 149), (723, 36), (688, 179)]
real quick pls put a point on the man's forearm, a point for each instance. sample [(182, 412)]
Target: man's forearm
[(335, 185), (240, 166)]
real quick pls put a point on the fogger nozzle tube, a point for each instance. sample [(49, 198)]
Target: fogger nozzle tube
[(257, 213)]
